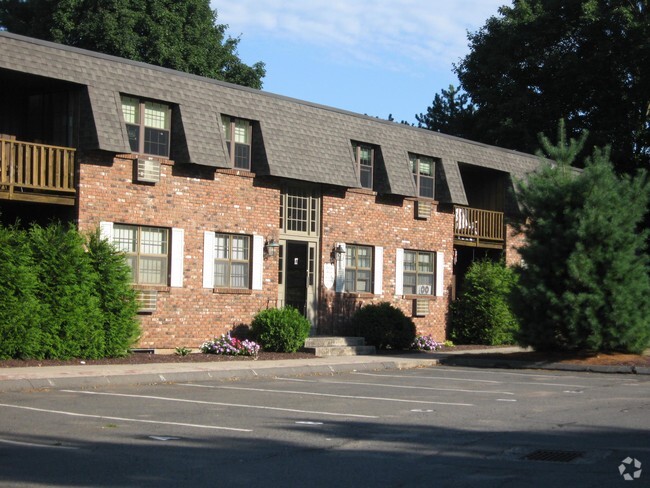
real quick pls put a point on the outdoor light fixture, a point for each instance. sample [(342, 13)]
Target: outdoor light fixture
[(337, 252), (270, 247)]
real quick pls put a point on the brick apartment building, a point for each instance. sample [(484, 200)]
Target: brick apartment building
[(228, 200)]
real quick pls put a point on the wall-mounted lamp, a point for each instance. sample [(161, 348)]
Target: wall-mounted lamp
[(270, 247), (337, 252)]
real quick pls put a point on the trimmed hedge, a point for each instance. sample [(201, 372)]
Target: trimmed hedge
[(63, 296), (280, 329), (384, 326)]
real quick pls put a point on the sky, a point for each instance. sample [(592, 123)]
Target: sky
[(373, 57)]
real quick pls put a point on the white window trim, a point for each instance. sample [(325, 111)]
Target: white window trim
[(399, 271), (208, 259), (177, 250), (258, 263), (440, 270), (340, 268), (379, 270)]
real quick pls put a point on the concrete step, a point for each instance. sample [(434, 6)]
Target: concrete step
[(325, 346), (330, 341)]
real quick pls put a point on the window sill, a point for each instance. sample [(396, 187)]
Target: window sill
[(362, 191), (235, 172), (232, 291), (417, 297), (134, 156), (162, 288), (356, 294)]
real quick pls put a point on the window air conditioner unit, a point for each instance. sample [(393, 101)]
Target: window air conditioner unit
[(422, 209), (148, 171), (420, 307), (147, 300)]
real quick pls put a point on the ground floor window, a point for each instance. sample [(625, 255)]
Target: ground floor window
[(358, 269), (419, 272), (146, 250), (232, 261)]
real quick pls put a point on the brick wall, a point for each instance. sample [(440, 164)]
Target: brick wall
[(364, 218), (195, 199)]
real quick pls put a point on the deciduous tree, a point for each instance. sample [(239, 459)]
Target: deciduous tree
[(177, 35)]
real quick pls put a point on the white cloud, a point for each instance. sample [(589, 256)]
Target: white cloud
[(432, 34)]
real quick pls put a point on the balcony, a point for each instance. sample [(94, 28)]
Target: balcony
[(33, 172), (478, 228)]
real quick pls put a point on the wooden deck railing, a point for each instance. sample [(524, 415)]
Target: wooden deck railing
[(474, 226), (36, 172)]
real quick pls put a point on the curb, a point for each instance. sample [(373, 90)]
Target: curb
[(216, 374), (513, 364)]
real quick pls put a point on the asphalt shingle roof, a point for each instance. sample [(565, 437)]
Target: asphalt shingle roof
[(302, 140)]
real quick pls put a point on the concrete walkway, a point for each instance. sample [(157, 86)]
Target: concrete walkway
[(89, 376)]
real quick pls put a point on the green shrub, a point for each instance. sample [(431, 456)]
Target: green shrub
[(482, 314), (280, 329), (117, 299), (384, 326), (20, 311), (71, 325)]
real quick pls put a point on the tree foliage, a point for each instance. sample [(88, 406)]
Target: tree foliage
[(538, 61), (450, 113), (179, 35), (585, 282)]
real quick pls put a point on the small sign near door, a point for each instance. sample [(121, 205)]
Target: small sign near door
[(328, 275)]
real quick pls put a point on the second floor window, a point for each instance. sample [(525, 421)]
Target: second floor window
[(238, 140), (364, 156), (148, 126), (146, 250), (419, 272), (358, 269), (422, 168), (232, 261)]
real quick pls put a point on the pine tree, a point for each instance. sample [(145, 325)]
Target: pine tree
[(585, 282)]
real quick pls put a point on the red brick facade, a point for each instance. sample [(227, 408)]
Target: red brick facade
[(201, 199)]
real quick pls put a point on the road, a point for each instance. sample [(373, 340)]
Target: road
[(423, 427)]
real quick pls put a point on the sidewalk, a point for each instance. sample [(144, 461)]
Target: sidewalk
[(89, 376)]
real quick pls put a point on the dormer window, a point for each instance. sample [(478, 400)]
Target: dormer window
[(364, 157), (238, 140), (422, 168), (148, 126)]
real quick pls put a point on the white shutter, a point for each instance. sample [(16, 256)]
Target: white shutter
[(440, 269), (178, 249), (258, 262), (340, 267), (106, 231), (208, 260), (399, 271), (379, 270)]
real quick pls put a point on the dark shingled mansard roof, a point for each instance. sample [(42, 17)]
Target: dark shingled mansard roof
[(301, 140)]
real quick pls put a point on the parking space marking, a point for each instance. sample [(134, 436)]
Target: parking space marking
[(123, 419), (415, 387), (331, 395), (222, 404), (428, 378), (536, 383)]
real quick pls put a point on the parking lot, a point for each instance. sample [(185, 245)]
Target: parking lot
[(422, 427)]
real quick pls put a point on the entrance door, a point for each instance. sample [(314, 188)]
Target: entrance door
[(295, 287)]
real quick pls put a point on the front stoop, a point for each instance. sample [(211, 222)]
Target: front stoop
[(338, 346)]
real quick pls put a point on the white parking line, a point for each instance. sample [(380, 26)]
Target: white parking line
[(535, 382), (122, 419), (237, 405), (428, 378), (331, 395), (415, 387)]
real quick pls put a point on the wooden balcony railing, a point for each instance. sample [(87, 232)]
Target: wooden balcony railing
[(476, 227), (36, 172)]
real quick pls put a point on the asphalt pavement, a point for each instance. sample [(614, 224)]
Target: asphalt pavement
[(90, 375)]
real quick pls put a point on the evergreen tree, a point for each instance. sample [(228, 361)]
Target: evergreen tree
[(177, 35), (585, 282), (72, 325), (450, 113), (20, 311), (117, 297)]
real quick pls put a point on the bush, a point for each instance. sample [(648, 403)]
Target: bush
[(482, 314), (20, 311), (117, 298), (384, 326), (280, 329)]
